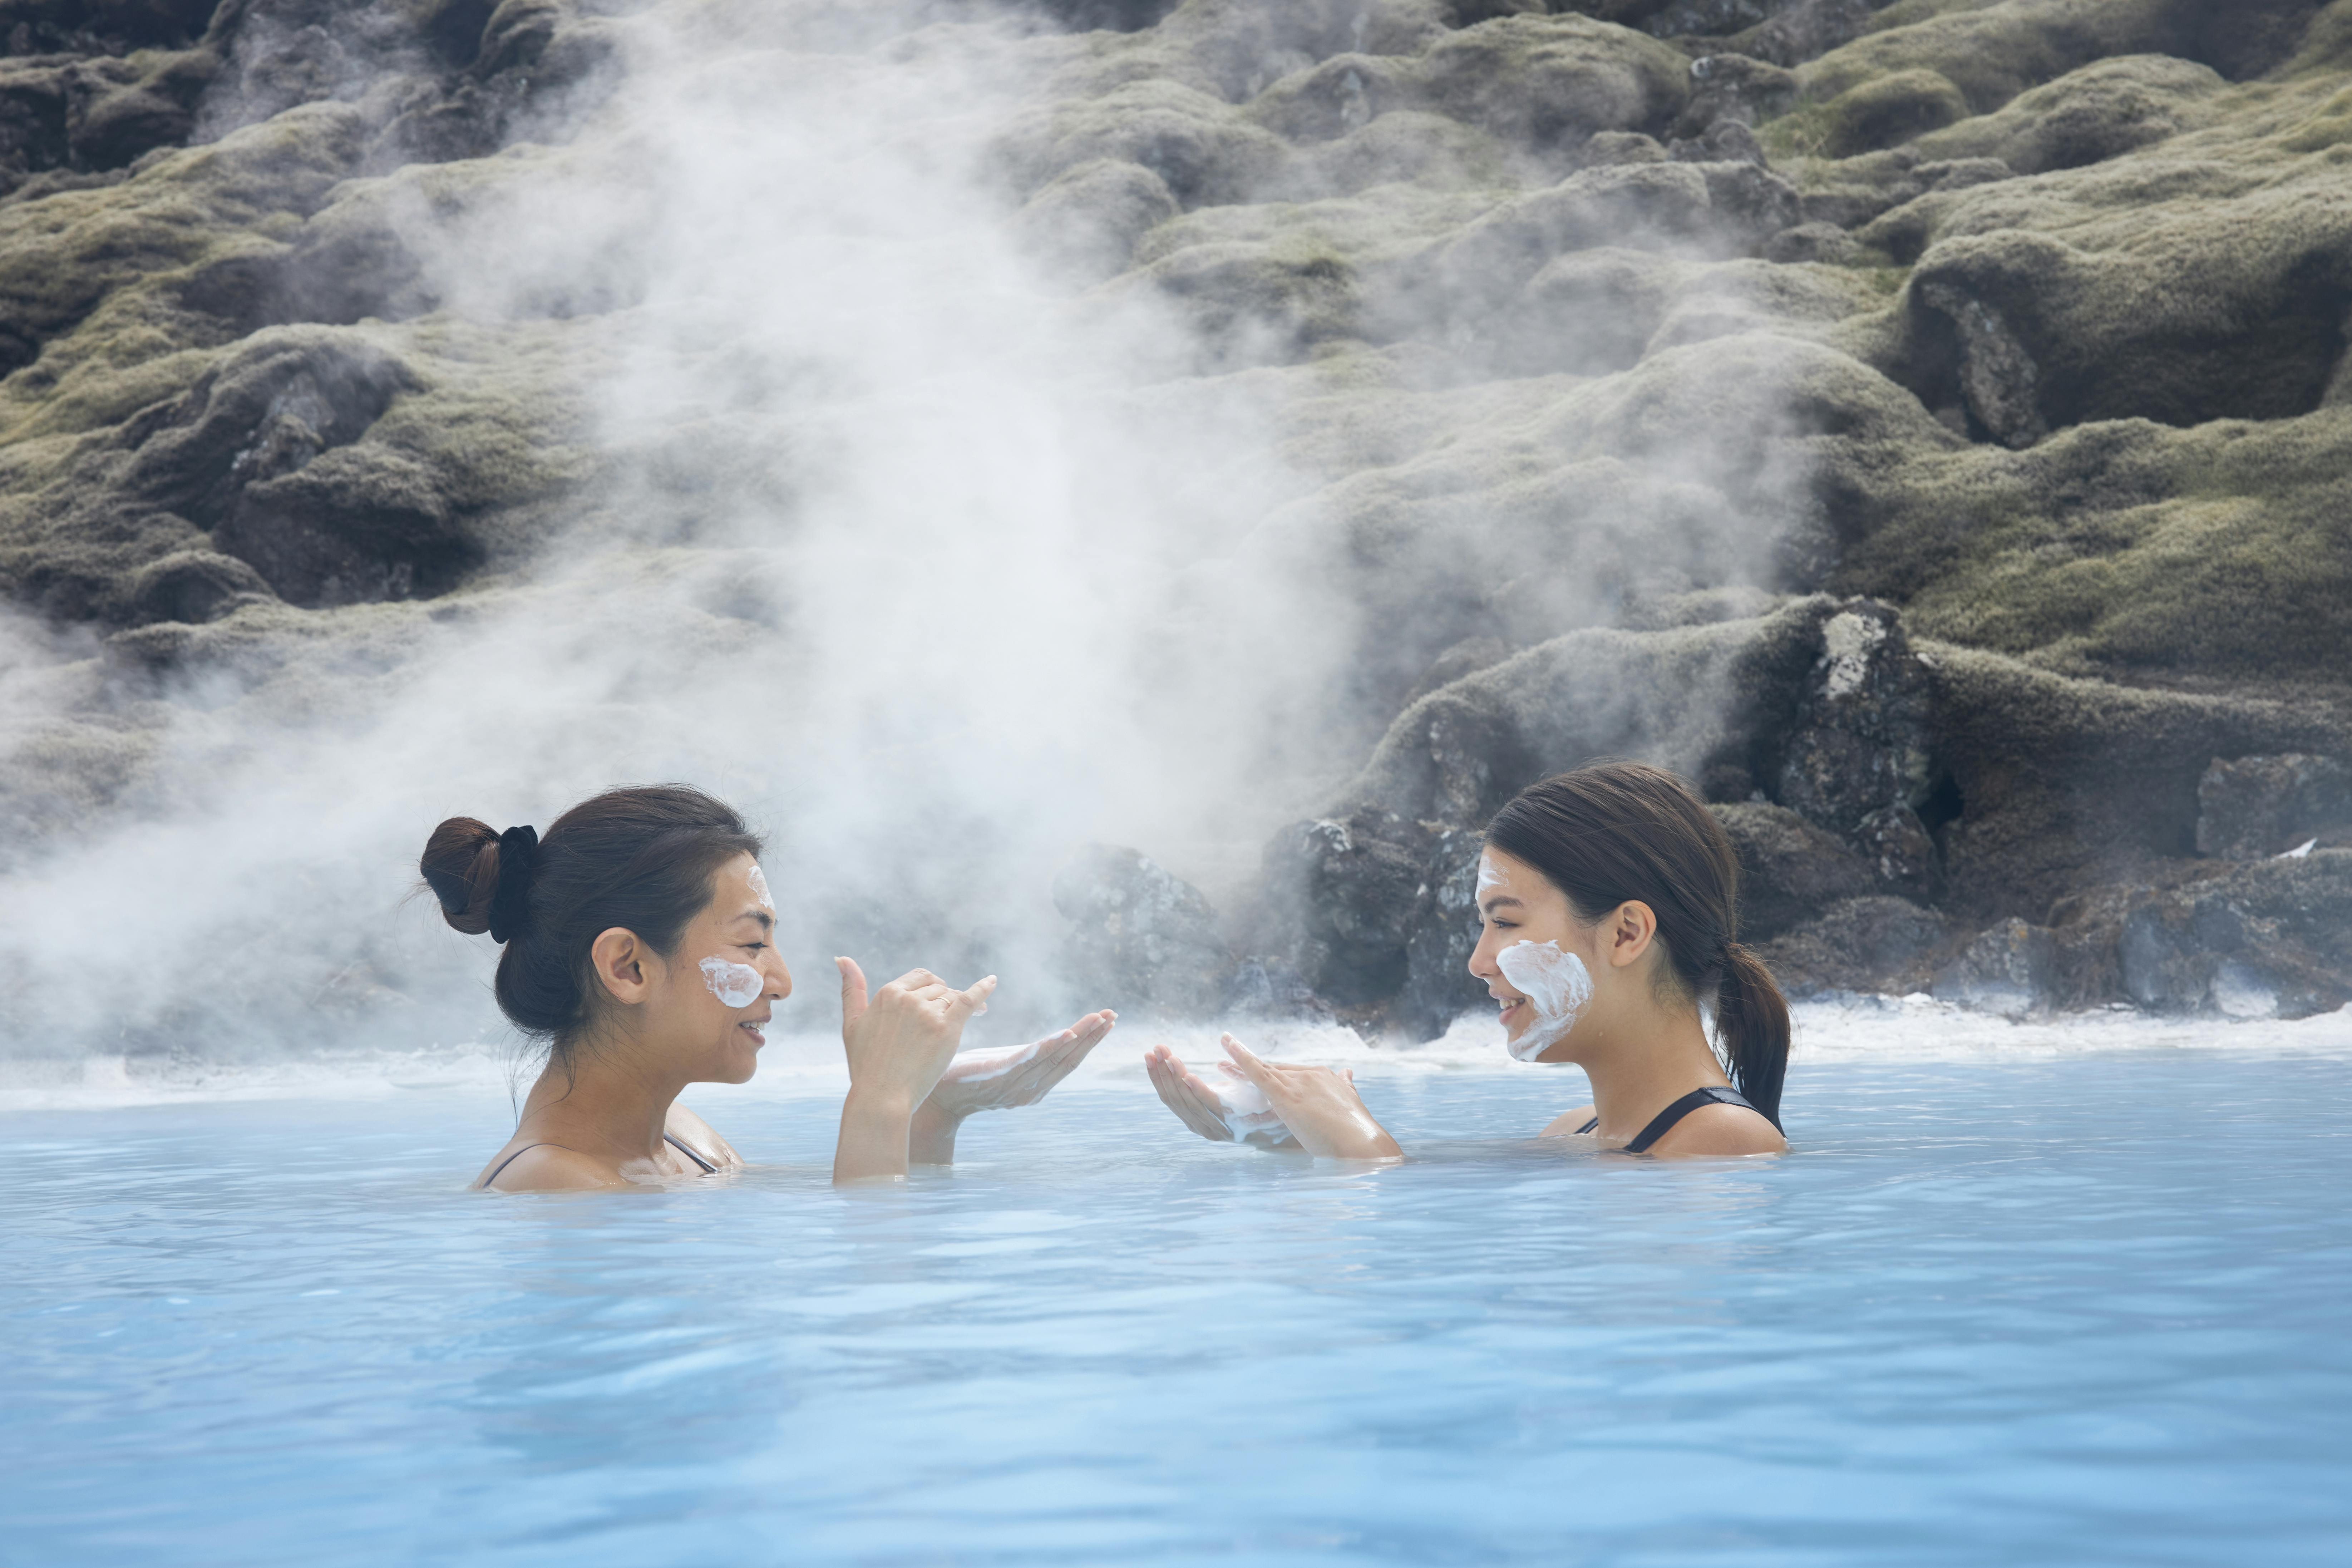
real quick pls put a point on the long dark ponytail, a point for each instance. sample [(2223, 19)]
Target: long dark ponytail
[(1614, 832)]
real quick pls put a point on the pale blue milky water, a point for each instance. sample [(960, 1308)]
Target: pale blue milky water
[(2087, 1311)]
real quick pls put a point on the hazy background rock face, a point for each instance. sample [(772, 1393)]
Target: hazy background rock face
[(1213, 454)]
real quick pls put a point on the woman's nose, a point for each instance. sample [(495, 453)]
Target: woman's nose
[(1481, 962), (780, 980)]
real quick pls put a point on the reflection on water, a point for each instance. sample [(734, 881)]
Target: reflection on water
[(2080, 1310)]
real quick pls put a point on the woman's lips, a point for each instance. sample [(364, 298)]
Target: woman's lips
[(751, 1027)]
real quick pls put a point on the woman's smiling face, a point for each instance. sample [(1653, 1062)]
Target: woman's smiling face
[(1517, 903), (726, 975)]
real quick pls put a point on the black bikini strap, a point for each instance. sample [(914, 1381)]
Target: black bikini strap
[(510, 1159), (706, 1166), (1663, 1122), (1589, 1126)]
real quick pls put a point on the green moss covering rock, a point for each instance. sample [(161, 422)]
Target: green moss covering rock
[(1624, 358)]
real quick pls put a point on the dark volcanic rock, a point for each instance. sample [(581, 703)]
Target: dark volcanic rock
[(2270, 939), (1140, 938), (2010, 969), (1790, 871), (1342, 899), (267, 412), (1876, 944), (1862, 748), (2256, 806), (262, 452), (1438, 985)]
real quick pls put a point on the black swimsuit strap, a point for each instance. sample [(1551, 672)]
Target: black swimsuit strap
[(1589, 1126), (1663, 1122), (510, 1159), (706, 1166)]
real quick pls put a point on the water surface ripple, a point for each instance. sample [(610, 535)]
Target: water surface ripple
[(2074, 1311)]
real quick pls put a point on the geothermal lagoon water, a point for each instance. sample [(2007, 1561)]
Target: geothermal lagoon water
[(2038, 1303)]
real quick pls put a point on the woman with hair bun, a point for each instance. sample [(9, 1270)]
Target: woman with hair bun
[(1608, 900), (638, 941)]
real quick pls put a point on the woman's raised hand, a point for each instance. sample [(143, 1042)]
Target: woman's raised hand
[(999, 1080), (1319, 1106), (1017, 1074), (898, 1041)]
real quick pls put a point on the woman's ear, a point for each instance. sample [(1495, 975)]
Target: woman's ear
[(620, 961), (1630, 930)]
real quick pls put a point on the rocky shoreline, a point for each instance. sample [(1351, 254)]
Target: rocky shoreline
[(1922, 425)]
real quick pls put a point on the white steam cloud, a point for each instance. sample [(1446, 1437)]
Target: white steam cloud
[(880, 528), (893, 551)]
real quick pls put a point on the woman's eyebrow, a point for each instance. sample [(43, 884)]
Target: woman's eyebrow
[(1498, 900), (767, 921)]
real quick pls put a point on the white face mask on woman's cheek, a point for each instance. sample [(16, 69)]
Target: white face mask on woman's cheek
[(1557, 985), (736, 984)]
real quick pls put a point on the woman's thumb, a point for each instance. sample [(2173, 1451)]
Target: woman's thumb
[(853, 990)]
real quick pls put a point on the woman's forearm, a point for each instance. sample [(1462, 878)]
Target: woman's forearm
[(874, 1135), (931, 1136), (1361, 1139)]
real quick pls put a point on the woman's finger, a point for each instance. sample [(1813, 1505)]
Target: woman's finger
[(853, 992), (1252, 1069), (1170, 1078), (975, 995)]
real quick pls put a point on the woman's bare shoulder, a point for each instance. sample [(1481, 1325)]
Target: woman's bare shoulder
[(545, 1168), (1722, 1130), (1567, 1122), (689, 1129)]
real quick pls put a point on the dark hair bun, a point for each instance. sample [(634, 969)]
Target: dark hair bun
[(640, 858), (461, 866)]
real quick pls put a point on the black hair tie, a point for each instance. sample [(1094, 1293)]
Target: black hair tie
[(518, 862)]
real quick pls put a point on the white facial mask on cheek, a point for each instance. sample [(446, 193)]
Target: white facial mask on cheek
[(736, 984), (759, 887), (1555, 985)]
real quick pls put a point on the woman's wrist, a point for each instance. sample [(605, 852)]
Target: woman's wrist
[(874, 1131), (931, 1135)]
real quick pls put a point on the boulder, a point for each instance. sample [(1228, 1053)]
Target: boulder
[(2102, 110), (2252, 807), (1735, 89), (1790, 871), (1438, 985), (1875, 943), (2049, 786), (1141, 939), (1861, 747), (2272, 939), (267, 410), (2008, 969), (195, 586), (1341, 901)]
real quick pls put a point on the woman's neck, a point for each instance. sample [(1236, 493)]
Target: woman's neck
[(607, 1106), (1644, 1064)]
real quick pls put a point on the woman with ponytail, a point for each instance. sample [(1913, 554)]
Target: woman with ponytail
[(638, 942), (1608, 900)]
